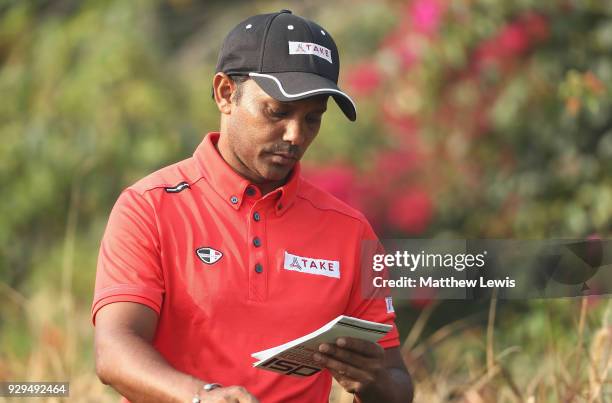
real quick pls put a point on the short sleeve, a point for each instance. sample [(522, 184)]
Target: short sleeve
[(367, 302), (129, 264)]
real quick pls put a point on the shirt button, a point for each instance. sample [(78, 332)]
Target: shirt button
[(256, 216), (258, 268), (250, 191), (256, 242), (234, 200)]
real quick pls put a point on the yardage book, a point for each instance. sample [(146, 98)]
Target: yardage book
[(295, 357)]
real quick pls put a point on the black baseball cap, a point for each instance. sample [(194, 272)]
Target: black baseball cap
[(288, 56)]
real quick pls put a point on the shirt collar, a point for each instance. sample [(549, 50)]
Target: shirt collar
[(231, 186)]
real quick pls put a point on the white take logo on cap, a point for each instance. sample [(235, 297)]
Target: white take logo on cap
[(308, 48)]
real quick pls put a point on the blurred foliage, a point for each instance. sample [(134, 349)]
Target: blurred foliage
[(496, 117)]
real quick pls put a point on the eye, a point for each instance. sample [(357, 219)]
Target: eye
[(278, 113), (314, 119)]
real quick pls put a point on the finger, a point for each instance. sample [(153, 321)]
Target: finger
[(348, 384), (347, 356), (248, 398), (241, 395), (364, 347), (342, 368)]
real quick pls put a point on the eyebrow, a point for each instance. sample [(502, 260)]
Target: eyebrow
[(275, 103)]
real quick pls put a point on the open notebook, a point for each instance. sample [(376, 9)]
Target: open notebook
[(295, 357)]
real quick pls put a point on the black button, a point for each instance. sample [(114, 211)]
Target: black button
[(258, 268), (256, 216), (284, 10), (250, 191), (256, 242), (234, 199), (280, 206)]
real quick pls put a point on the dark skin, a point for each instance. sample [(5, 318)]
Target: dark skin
[(127, 361), (261, 139), (252, 130)]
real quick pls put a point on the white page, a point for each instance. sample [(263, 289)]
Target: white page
[(294, 357)]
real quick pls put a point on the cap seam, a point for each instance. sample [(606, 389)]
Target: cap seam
[(312, 35), (265, 38)]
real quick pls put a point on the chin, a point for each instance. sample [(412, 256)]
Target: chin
[(277, 174)]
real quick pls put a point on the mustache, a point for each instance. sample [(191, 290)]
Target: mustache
[(285, 148)]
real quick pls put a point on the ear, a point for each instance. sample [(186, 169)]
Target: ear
[(223, 88)]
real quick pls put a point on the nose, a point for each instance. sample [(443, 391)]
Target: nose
[(295, 132)]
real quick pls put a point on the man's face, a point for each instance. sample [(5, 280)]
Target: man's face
[(265, 137)]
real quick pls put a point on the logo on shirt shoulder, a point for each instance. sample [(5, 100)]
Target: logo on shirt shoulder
[(181, 186), (389, 303), (321, 267), (209, 255)]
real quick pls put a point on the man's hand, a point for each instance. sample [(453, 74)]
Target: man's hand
[(231, 394), (354, 363), (367, 370)]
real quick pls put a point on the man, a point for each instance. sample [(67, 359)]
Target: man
[(230, 252)]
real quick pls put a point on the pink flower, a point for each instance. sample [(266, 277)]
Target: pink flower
[(537, 26), (410, 211), (402, 43), (404, 124), (364, 78), (510, 42), (392, 165), (407, 56), (339, 180), (364, 193), (513, 40), (425, 15)]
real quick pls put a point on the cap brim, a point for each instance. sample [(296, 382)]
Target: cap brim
[(293, 86)]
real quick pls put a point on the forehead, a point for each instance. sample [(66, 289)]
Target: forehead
[(255, 93)]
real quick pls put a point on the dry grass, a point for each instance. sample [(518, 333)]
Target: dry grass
[(443, 364), (445, 372), (459, 362)]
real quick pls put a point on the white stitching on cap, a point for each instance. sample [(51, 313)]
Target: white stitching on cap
[(285, 93)]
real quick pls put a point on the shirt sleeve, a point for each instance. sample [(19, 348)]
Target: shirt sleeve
[(129, 265), (366, 301)]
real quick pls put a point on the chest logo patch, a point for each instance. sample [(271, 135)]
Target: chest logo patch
[(209, 255), (320, 267)]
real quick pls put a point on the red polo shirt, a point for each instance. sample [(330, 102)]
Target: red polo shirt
[(231, 272)]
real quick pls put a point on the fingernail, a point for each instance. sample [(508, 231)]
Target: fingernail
[(324, 348), (317, 357), (341, 342)]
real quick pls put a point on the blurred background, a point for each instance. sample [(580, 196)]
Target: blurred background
[(477, 119)]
